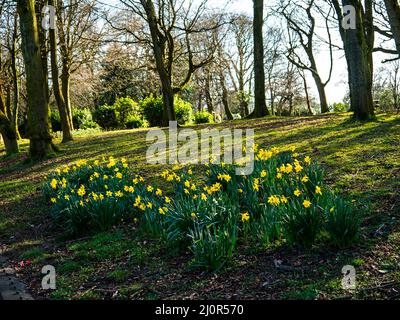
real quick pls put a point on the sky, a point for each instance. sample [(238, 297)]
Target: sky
[(337, 87)]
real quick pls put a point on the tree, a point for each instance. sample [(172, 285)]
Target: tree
[(171, 25), (79, 41), (62, 107), (6, 129), (260, 107), (241, 61), (38, 127), (358, 45), (304, 28), (393, 11)]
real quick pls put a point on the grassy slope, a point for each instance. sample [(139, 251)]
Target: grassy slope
[(360, 160)]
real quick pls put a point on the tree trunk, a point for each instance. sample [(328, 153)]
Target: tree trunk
[(393, 10), (303, 76), (225, 101), (359, 61), (321, 93), (65, 85), (260, 108), (209, 99), (158, 42), (168, 100), (38, 127), (65, 123), (15, 81), (6, 129)]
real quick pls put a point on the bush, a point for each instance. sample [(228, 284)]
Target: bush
[(183, 110), (106, 117), (203, 117), (340, 107), (152, 109), (134, 122), (55, 121), (126, 108), (83, 119)]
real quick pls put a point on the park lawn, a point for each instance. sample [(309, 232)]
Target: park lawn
[(362, 161)]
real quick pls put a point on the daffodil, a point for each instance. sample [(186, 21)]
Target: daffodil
[(318, 190), (306, 204), (307, 160), (245, 217), (81, 191), (54, 183), (274, 200), (53, 200), (297, 193), (289, 168), (159, 192), (305, 179), (263, 174)]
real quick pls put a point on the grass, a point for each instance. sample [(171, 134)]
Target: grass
[(361, 161)]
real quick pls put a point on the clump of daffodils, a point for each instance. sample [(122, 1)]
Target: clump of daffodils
[(283, 199)]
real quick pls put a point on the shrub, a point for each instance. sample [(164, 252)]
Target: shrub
[(183, 110), (203, 117), (340, 107), (55, 121), (134, 122), (152, 109), (106, 117), (126, 108), (83, 119)]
